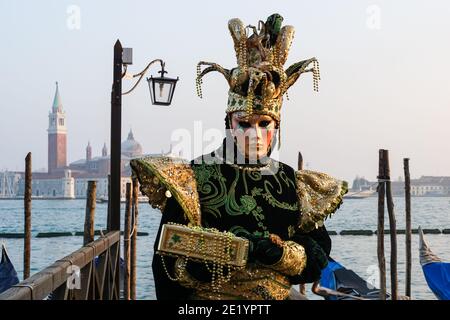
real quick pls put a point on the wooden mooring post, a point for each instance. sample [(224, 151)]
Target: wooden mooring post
[(135, 213), (380, 229), (300, 161), (393, 229), (384, 188), (87, 279), (90, 212), (408, 227), (126, 243), (27, 213)]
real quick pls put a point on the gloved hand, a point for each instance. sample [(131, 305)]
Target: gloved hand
[(320, 235), (263, 250), (199, 271), (316, 258)]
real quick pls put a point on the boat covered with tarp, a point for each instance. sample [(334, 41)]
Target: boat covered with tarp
[(437, 272), (8, 275), (339, 279)]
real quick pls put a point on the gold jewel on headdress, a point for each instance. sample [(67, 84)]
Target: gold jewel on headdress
[(258, 83)]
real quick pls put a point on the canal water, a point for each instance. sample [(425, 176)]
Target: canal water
[(358, 253)]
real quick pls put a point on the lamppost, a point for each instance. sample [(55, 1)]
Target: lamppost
[(161, 92), (166, 86)]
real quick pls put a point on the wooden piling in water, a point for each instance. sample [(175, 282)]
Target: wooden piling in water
[(27, 214), (393, 228), (135, 213), (300, 161), (126, 243), (380, 229), (408, 227), (88, 285), (90, 212)]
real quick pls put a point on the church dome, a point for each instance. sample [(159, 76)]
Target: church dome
[(130, 147)]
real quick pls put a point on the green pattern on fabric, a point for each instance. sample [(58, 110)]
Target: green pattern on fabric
[(211, 185), (248, 203), (240, 200)]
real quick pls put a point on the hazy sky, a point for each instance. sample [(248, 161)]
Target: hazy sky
[(384, 64)]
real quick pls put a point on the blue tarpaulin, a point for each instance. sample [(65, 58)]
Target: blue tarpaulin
[(437, 275), (8, 275), (338, 278), (327, 278), (437, 272)]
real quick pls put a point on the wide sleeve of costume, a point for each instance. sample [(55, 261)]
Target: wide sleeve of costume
[(163, 177), (319, 195), (170, 185)]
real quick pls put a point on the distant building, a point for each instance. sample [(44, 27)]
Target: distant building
[(64, 181), (361, 184), (98, 168), (9, 183), (431, 186), (422, 187)]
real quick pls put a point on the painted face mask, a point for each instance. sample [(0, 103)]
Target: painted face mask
[(253, 134)]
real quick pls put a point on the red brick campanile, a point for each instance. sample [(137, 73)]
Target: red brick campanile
[(57, 135)]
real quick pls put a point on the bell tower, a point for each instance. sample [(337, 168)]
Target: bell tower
[(57, 135), (89, 152), (104, 150)]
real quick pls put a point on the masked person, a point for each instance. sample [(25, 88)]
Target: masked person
[(239, 189)]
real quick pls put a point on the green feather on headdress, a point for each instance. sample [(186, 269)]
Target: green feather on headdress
[(273, 27)]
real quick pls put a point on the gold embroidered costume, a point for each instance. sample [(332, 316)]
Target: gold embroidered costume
[(278, 210)]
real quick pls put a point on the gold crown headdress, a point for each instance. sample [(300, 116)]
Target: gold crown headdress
[(258, 83)]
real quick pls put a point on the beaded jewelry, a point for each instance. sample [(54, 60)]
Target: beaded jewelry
[(217, 260)]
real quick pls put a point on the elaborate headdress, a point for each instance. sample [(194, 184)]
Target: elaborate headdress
[(258, 83)]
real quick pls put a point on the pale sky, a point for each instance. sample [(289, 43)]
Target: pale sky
[(384, 65)]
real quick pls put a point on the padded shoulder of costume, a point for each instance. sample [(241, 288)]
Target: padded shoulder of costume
[(159, 174), (319, 195)]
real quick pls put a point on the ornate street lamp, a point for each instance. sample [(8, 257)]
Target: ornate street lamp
[(161, 88)]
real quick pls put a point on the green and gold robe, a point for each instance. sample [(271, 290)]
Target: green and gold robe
[(259, 199)]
